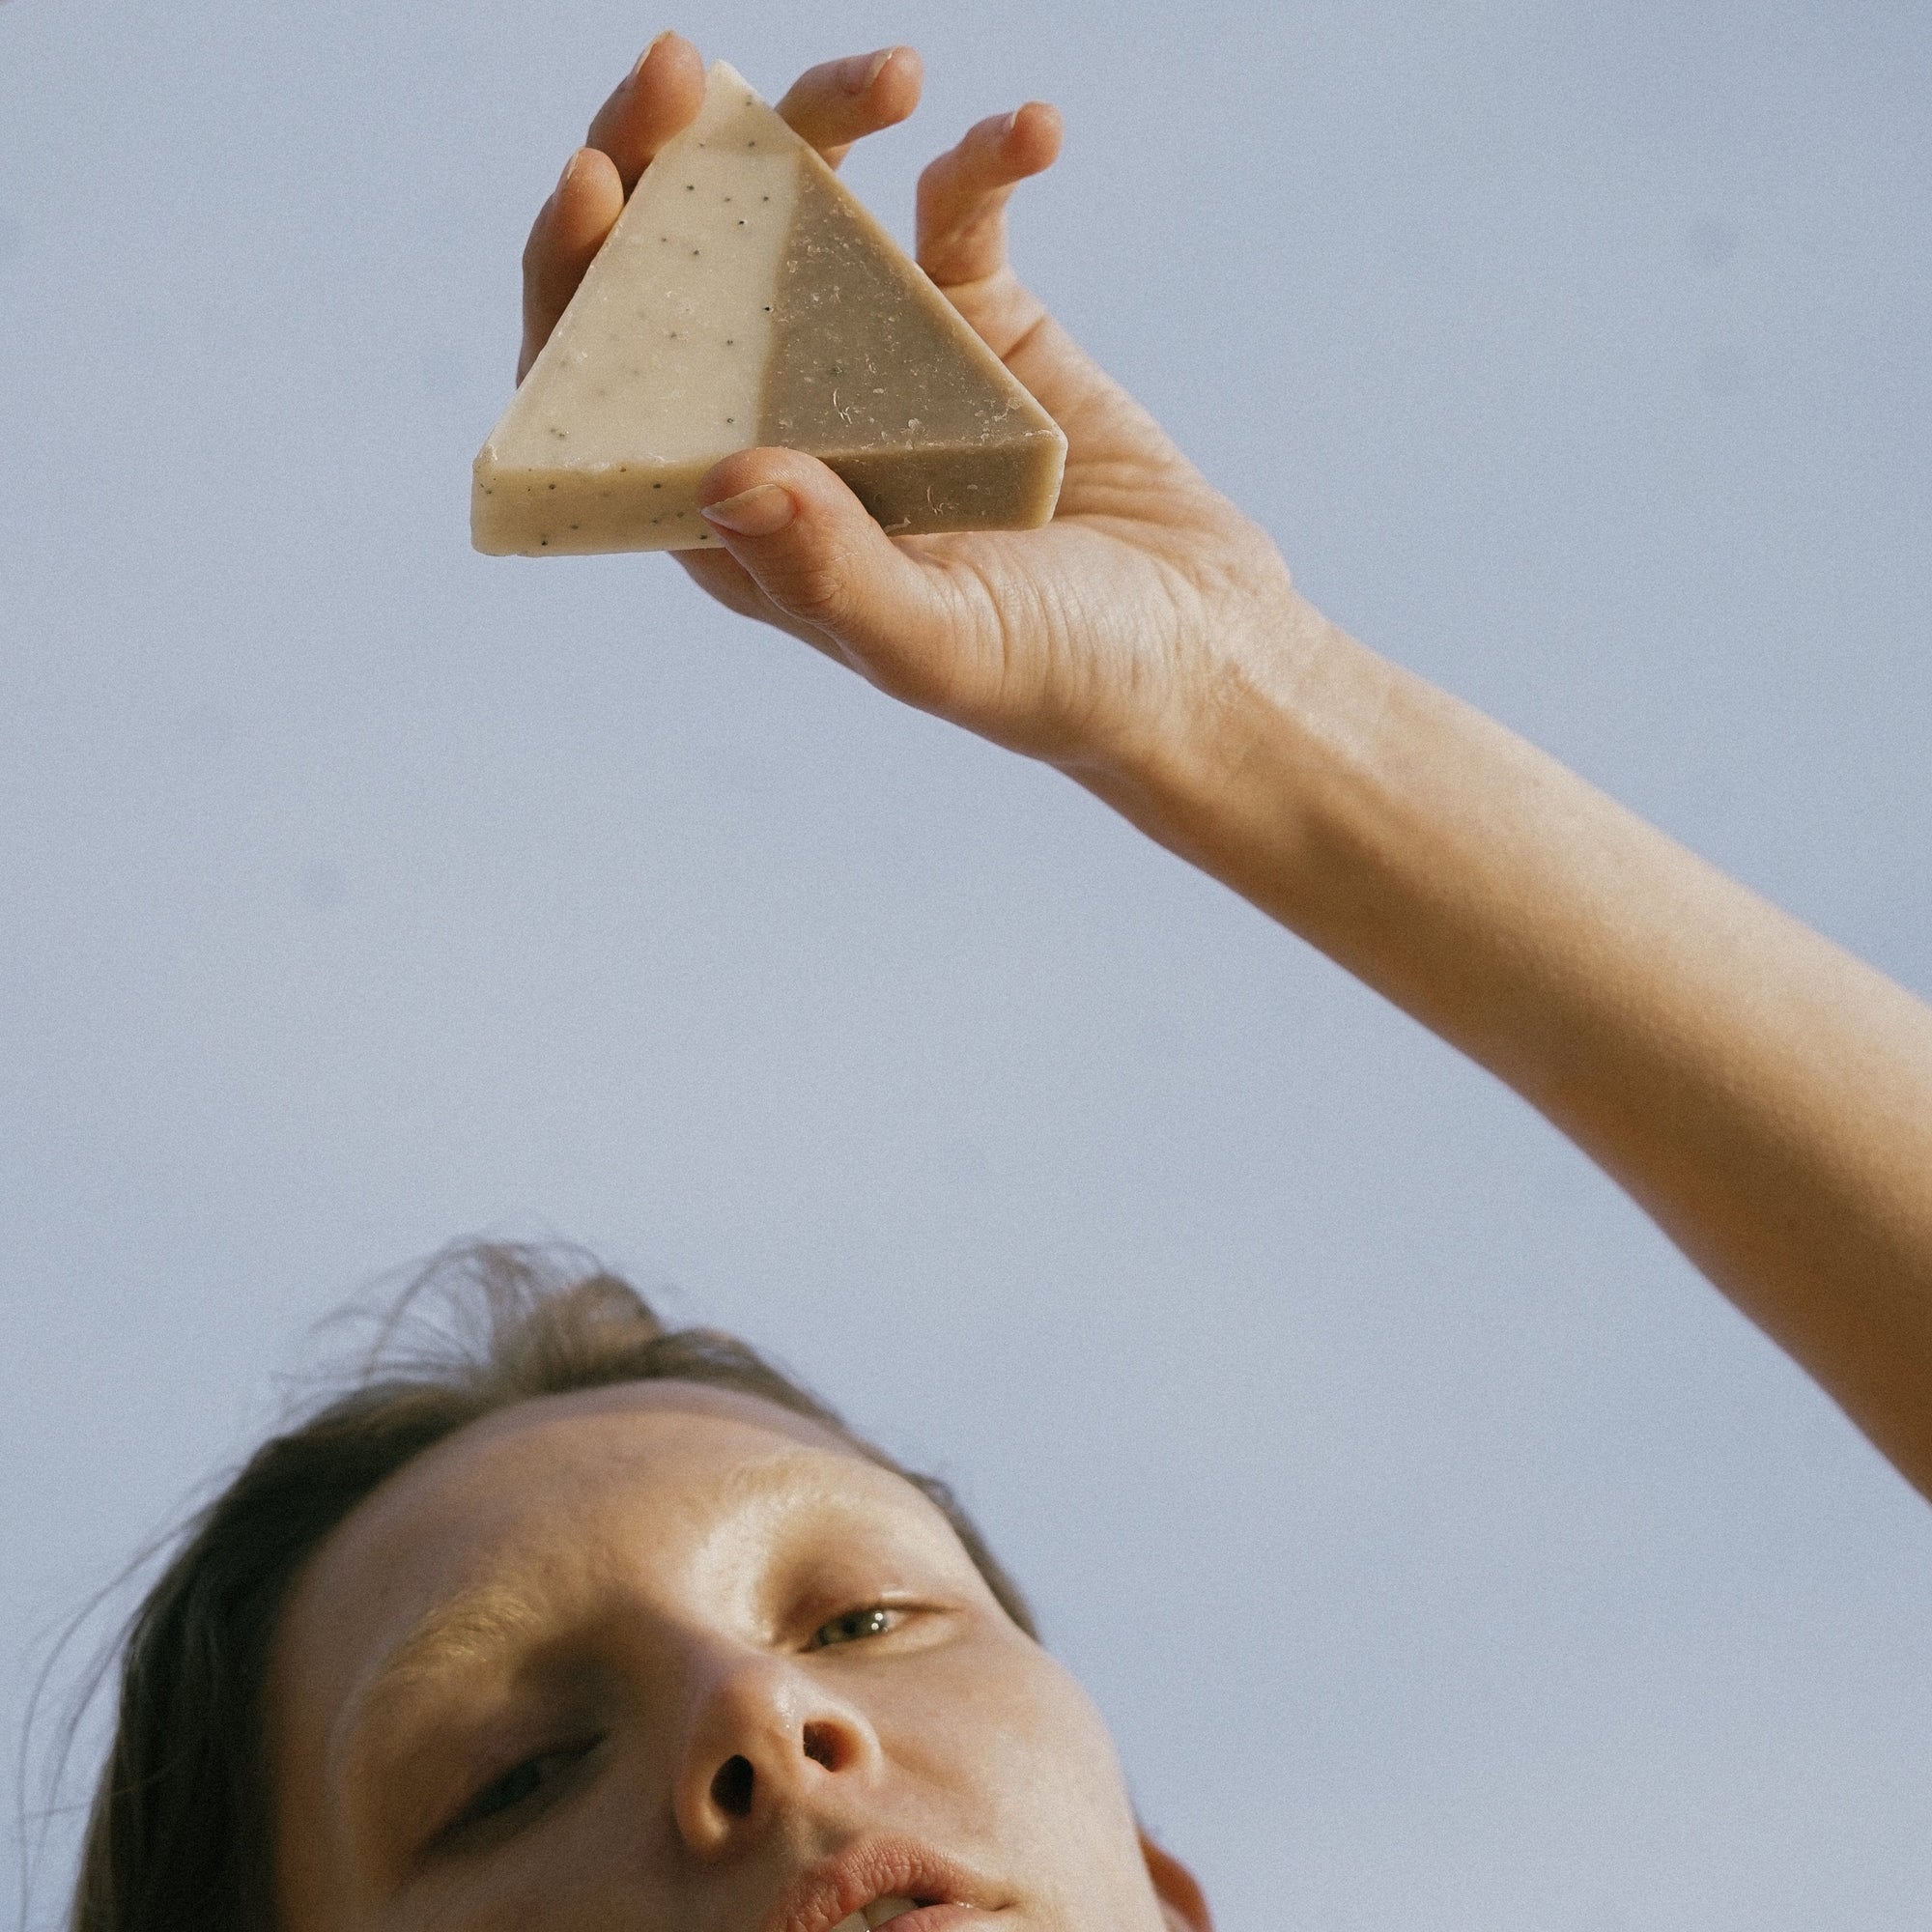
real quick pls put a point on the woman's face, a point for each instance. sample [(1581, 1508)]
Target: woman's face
[(665, 1658)]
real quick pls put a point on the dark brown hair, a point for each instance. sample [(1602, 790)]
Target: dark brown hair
[(177, 1834)]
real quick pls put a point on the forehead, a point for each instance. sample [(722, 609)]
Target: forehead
[(675, 1447), (675, 1435), (552, 1494)]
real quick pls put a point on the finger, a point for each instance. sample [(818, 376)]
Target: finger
[(840, 101), (809, 545), (569, 230), (659, 97), (963, 194)]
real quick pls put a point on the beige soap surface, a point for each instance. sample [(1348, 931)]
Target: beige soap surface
[(745, 299)]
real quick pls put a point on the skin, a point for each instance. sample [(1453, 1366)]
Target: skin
[(1765, 1097), (505, 1687)]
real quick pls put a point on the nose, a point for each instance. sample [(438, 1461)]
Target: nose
[(765, 1738)]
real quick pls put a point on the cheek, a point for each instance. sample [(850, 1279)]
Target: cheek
[(599, 1866), (1026, 1761)]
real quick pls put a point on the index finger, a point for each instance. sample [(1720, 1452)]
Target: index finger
[(839, 101)]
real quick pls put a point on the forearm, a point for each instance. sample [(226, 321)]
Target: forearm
[(1766, 1098)]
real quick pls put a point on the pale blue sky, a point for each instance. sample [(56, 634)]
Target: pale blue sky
[(1443, 1554)]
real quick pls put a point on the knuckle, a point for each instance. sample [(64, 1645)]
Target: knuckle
[(817, 583), (937, 177), (818, 590)]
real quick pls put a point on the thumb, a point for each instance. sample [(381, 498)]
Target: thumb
[(814, 550)]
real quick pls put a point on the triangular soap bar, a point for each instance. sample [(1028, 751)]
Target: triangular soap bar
[(744, 298)]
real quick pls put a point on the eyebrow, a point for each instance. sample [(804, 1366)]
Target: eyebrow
[(475, 1629)]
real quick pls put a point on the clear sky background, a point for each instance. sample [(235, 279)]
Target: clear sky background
[(1443, 1554)]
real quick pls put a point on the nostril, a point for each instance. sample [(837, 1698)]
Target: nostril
[(731, 1788), (824, 1746)]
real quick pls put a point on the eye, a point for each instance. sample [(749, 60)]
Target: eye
[(529, 1786), (854, 1625)]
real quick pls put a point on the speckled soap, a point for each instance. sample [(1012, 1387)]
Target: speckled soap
[(744, 298)]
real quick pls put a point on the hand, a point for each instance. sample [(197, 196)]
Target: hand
[(1090, 642)]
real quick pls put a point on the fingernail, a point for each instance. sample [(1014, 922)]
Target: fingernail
[(861, 71), (569, 169), (649, 51), (754, 513)]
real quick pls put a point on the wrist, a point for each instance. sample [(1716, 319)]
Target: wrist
[(1247, 763)]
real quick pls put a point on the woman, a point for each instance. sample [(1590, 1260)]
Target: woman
[(607, 1627)]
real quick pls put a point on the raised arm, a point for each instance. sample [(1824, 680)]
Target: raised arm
[(1764, 1096)]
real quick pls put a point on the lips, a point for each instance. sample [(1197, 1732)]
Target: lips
[(877, 1881)]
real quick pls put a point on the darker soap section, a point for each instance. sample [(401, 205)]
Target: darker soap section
[(857, 359)]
